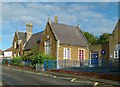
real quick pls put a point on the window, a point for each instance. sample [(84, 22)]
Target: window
[(14, 44), (48, 47), (81, 54), (116, 54), (67, 53)]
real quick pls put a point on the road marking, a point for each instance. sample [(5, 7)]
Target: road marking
[(50, 75), (12, 77), (82, 81), (37, 73), (73, 79), (1, 84), (54, 76), (96, 83), (33, 72), (65, 78)]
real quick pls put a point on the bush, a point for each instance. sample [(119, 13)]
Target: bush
[(16, 61)]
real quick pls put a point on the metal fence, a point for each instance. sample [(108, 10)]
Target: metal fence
[(84, 65)]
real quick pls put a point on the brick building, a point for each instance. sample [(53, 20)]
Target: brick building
[(98, 49), (20, 39), (64, 42), (114, 45)]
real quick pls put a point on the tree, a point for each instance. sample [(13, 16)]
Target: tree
[(91, 38), (104, 38), (35, 57)]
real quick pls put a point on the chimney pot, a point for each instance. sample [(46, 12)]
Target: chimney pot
[(56, 18), (30, 23), (27, 23)]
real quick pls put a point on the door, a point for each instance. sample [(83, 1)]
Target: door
[(94, 58)]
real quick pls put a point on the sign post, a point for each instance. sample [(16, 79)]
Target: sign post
[(103, 53)]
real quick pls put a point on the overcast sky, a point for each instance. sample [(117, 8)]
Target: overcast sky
[(94, 17)]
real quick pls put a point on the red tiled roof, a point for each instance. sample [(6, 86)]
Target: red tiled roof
[(9, 49)]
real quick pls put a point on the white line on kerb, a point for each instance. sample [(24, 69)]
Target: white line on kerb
[(73, 79)]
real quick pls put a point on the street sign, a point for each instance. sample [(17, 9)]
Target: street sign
[(103, 52)]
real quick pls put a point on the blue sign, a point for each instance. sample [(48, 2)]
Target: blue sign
[(103, 52)]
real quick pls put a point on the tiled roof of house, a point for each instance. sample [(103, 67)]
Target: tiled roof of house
[(33, 41), (9, 49), (70, 35), (22, 36)]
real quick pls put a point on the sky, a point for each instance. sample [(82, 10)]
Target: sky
[(94, 17)]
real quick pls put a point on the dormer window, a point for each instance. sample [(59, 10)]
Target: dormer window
[(48, 47)]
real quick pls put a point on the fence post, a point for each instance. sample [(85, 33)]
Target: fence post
[(36, 66), (89, 65), (65, 63), (45, 65)]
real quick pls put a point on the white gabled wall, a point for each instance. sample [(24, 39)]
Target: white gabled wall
[(8, 54)]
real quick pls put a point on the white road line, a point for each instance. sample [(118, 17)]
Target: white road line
[(73, 79), (19, 70), (12, 77), (54, 76), (65, 78), (82, 81), (96, 83), (33, 72), (1, 84)]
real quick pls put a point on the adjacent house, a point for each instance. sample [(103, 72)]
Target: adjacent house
[(114, 45), (64, 42), (101, 52), (1, 53), (33, 42), (8, 53), (20, 39)]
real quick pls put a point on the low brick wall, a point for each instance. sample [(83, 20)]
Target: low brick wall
[(90, 74)]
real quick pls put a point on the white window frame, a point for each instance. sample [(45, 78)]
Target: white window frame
[(116, 53), (66, 57), (47, 51), (84, 53)]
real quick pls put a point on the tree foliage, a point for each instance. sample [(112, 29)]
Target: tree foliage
[(35, 57), (104, 38), (92, 39)]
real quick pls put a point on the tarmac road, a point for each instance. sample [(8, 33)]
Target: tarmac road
[(13, 77)]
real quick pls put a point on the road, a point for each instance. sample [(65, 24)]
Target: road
[(14, 77)]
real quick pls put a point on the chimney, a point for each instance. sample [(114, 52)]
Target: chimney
[(56, 19), (29, 27)]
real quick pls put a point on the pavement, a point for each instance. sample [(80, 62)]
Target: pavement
[(12, 76), (111, 82)]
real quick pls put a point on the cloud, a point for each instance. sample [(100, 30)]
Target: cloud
[(15, 16), (59, 1), (39, 12)]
